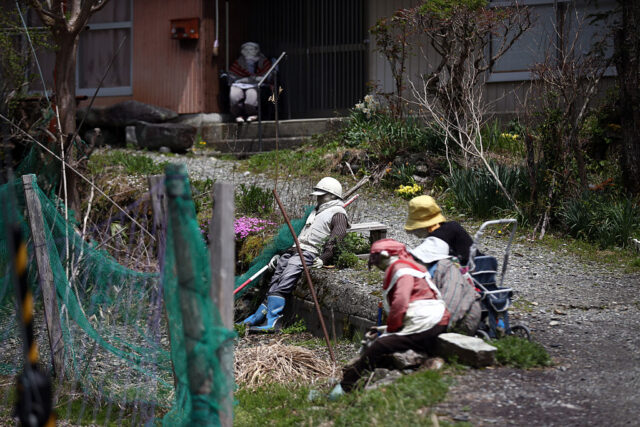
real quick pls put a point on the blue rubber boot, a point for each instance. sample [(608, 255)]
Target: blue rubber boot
[(275, 306), (257, 317)]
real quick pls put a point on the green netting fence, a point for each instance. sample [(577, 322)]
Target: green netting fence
[(122, 360)]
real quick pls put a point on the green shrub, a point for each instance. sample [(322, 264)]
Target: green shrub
[(509, 141), (347, 260), (520, 353), (476, 192), (355, 243), (408, 192), (385, 136), (240, 328), (254, 200), (297, 327), (352, 244), (602, 219), (401, 175)]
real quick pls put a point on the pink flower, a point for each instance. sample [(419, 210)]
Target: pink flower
[(244, 226)]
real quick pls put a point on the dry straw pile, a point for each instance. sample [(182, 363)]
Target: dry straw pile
[(279, 363)]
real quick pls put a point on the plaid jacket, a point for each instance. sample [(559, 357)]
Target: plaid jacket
[(456, 292)]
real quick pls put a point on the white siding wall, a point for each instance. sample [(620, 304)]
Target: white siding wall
[(508, 85)]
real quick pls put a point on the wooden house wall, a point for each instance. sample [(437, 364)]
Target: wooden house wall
[(504, 97)]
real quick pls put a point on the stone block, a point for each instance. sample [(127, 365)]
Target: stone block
[(468, 350), (177, 137)]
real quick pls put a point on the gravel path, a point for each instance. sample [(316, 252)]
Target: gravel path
[(586, 315)]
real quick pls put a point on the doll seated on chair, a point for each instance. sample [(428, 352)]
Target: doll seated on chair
[(245, 73)]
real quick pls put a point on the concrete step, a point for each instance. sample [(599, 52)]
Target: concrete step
[(300, 128), (252, 145)]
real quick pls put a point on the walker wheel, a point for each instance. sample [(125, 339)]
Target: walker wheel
[(482, 334), (521, 331)]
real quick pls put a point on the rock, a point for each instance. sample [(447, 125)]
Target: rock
[(379, 374), (469, 350), (177, 137), (164, 149), (407, 359), (124, 114), (130, 135), (112, 136), (433, 364), (389, 378), (200, 119)]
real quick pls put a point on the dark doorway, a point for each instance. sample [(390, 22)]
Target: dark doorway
[(324, 72)]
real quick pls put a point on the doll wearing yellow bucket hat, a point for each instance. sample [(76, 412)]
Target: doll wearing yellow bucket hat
[(426, 219)]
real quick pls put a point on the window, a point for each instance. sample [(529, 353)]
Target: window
[(545, 35), (108, 28)]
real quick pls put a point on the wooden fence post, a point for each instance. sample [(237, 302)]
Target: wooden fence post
[(221, 249), (52, 315), (159, 206), (158, 194)]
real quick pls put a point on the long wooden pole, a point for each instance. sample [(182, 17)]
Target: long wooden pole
[(222, 257), (51, 313), (308, 276)]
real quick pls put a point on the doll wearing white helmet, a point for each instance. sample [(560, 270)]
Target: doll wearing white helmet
[(325, 227)]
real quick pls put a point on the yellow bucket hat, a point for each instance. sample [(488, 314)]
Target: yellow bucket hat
[(423, 212)]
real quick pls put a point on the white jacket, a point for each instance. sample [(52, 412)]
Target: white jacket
[(318, 226)]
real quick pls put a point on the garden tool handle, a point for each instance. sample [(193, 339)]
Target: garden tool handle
[(250, 279)]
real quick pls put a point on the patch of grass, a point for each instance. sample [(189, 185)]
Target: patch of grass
[(627, 259), (296, 328), (404, 402), (520, 353), (133, 164), (227, 157), (77, 409), (308, 160)]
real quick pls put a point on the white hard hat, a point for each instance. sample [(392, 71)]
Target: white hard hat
[(328, 185)]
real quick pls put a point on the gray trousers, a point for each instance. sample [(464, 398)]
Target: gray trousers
[(243, 102), (288, 272)]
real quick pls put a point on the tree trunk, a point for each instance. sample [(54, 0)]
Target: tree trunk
[(65, 100), (627, 60)]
